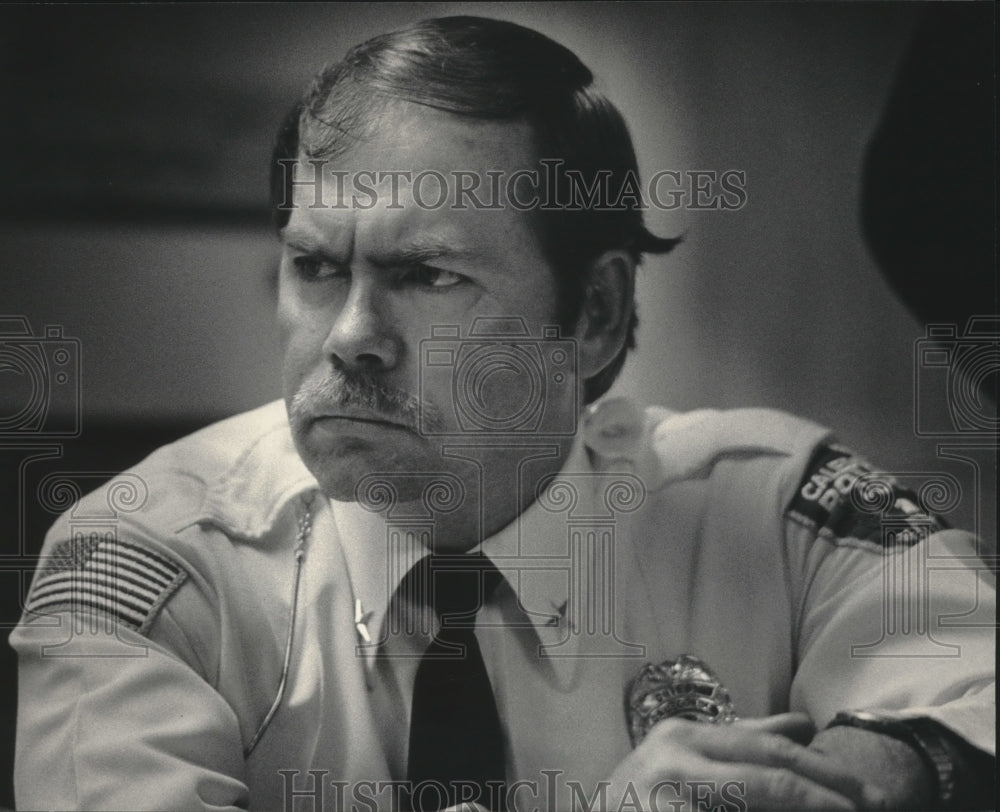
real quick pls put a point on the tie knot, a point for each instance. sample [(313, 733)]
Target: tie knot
[(457, 586)]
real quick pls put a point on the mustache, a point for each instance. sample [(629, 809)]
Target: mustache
[(350, 389)]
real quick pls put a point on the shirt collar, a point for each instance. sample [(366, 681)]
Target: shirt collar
[(247, 495), (531, 552)]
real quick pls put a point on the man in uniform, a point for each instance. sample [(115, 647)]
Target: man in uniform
[(444, 572)]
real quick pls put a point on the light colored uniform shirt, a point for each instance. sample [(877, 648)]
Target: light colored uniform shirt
[(211, 632)]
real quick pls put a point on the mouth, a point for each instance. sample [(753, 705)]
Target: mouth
[(349, 417)]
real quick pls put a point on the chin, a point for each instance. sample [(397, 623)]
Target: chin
[(377, 476)]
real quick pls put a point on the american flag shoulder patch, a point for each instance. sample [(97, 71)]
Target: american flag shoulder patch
[(105, 576)]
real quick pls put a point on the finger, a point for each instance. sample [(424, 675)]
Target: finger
[(770, 788), (739, 786), (743, 743), (796, 726)]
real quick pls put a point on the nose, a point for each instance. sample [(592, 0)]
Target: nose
[(362, 337)]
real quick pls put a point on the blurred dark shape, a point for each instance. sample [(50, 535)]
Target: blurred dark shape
[(928, 206), (115, 114)]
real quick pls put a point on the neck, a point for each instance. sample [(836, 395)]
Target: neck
[(500, 483)]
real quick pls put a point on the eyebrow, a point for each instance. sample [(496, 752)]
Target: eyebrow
[(306, 241), (423, 250), (420, 249)]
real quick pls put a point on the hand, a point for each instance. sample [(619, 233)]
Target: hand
[(901, 775), (755, 764)]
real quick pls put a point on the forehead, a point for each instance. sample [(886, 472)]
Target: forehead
[(405, 179), (412, 137)]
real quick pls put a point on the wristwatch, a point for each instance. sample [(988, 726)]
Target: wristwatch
[(922, 736)]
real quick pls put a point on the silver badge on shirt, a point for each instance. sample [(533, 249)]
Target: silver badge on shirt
[(683, 688)]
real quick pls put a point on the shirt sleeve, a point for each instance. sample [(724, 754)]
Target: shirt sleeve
[(906, 630), (113, 718)]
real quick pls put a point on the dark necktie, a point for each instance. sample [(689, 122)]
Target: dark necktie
[(456, 749)]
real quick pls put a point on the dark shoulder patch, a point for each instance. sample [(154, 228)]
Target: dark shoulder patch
[(104, 575), (841, 496)]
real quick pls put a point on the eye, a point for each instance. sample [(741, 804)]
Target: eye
[(430, 277), (315, 269)]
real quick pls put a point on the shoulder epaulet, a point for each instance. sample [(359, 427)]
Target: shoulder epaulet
[(694, 441)]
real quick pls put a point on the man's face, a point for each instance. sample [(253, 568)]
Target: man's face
[(361, 286)]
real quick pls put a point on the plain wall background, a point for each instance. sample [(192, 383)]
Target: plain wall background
[(765, 305), (777, 303), (139, 224), (133, 189)]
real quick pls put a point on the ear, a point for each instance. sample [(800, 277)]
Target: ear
[(607, 308)]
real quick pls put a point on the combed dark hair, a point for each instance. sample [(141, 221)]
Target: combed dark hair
[(489, 69)]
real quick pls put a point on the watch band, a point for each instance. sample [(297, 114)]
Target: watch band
[(921, 736)]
